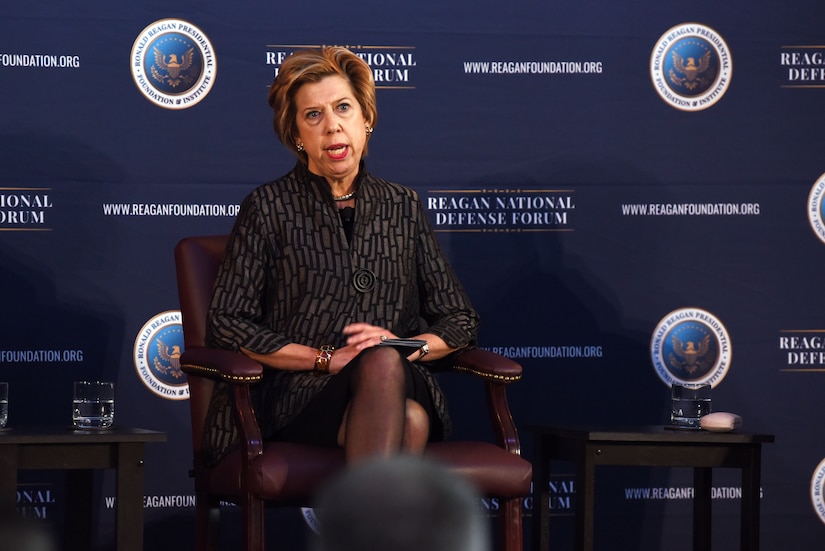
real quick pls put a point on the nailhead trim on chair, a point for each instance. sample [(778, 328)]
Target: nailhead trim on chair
[(488, 376), (213, 371)]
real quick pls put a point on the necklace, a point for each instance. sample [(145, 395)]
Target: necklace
[(345, 197)]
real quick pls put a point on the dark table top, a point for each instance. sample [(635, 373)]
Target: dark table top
[(646, 433), (67, 435)]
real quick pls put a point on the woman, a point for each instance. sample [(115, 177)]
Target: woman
[(321, 266)]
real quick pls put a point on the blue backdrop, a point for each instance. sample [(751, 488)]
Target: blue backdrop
[(605, 177)]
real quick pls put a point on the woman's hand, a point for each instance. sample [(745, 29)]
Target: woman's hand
[(360, 336), (364, 335)]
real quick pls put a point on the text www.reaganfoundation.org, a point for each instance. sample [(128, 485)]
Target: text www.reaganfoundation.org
[(690, 209), (169, 209), (685, 492)]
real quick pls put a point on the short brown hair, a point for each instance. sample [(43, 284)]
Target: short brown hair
[(313, 65)]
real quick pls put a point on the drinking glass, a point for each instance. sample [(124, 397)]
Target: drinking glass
[(4, 404), (689, 402), (93, 405)]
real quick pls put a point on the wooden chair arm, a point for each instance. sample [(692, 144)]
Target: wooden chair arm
[(487, 365), (497, 372), (239, 371), (226, 365)]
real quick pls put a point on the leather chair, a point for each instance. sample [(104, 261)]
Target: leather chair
[(263, 474)]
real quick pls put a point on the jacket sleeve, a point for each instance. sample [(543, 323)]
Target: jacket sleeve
[(445, 306), (238, 312)]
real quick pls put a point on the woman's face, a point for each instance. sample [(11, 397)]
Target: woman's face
[(331, 127)]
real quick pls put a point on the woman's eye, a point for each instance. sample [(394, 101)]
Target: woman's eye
[(313, 114), (344, 107)]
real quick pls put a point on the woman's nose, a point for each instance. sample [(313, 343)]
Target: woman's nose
[(333, 124)]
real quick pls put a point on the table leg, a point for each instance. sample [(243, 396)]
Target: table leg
[(8, 477), (78, 511), (129, 513), (751, 490), (541, 496), (585, 498), (702, 485)]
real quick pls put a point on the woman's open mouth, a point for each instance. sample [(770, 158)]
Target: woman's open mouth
[(337, 151)]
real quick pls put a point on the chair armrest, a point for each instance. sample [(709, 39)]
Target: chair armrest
[(497, 372), (487, 365), (239, 371), (225, 365)]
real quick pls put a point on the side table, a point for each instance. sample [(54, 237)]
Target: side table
[(80, 453), (655, 446)]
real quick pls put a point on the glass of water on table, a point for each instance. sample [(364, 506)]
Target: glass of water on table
[(93, 405), (689, 403), (4, 405)]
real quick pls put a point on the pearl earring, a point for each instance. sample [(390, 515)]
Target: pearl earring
[(369, 130), (299, 147)]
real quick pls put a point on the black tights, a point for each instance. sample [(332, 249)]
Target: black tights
[(377, 411), (372, 386)]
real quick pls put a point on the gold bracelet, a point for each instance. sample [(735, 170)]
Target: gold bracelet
[(323, 358)]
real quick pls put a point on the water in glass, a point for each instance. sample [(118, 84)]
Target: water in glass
[(93, 414)]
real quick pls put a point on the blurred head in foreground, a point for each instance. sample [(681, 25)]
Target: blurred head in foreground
[(400, 504)]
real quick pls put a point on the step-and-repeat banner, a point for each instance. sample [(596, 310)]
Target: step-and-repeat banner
[(632, 194)]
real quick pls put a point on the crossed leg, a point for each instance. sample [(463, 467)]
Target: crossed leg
[(380, 420)]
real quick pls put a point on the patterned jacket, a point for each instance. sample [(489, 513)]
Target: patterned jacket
[(290, 275)]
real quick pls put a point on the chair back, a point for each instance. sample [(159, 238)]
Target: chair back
[(196, 264)]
